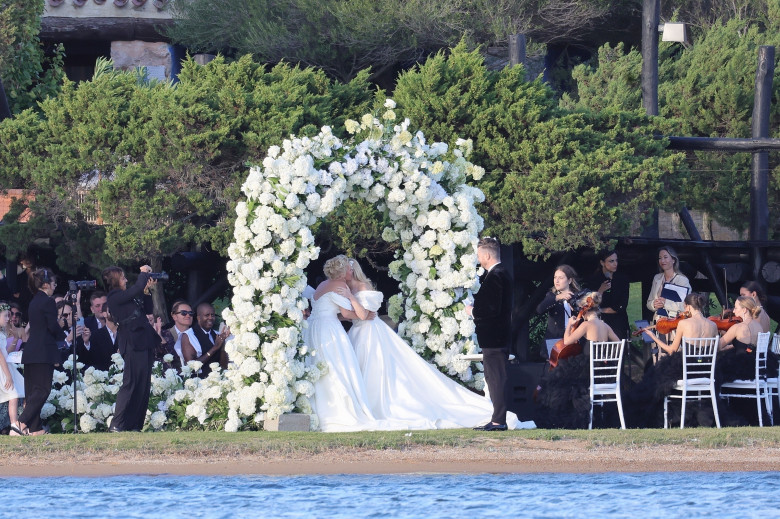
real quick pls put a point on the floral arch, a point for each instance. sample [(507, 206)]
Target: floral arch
[(433, 216)]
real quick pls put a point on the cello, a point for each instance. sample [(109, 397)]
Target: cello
[(561, 350)]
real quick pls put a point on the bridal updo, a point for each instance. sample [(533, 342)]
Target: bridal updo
[(336, 268)]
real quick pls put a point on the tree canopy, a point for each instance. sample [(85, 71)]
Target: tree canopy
[(160, 164), (705, 90), (27, 74)]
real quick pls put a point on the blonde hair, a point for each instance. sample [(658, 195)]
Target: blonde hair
[(595, 297), (749, 304), (336, 268), (358, 274)]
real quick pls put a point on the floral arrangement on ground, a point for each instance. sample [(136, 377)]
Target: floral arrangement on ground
[(421, 187)]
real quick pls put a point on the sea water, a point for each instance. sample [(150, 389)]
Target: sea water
[(634, 495)]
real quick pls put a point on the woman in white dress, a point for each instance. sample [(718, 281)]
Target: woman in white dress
[(339, 395), (401, 385), (11, 381)]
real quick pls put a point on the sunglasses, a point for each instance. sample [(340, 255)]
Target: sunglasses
[(16, 313), (186, 312)]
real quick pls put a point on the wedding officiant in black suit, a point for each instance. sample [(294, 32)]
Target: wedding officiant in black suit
[(492, 312)]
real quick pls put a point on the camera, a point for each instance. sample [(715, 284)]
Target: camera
[(75, 286), (159, 276)]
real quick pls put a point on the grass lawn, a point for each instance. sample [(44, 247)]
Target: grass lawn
[(214, 443)]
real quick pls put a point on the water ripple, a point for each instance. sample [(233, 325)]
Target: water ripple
[(679, 494)]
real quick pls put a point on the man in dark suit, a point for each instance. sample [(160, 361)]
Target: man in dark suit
[(207, 337), (96, 349), (136, 340), (97, 301), (492, 311)]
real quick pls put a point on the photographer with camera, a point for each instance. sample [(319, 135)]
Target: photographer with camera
[(136, 340)]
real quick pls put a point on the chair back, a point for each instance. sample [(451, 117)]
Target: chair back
[(606, 359), (776, 344), (699, 357), (762, 347)]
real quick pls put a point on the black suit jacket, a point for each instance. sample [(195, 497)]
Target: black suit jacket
[(205, 345), (91, 322), (556, 316), (45, 331), (493, 309), (134, 331), (101, 347)]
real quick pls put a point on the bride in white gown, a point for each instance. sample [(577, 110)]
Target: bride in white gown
[(339, 395), (400, 385)]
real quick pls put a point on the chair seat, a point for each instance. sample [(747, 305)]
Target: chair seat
[(599, 389), (744, 384), (693, 382)]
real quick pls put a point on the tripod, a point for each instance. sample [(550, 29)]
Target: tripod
[(70, 297)]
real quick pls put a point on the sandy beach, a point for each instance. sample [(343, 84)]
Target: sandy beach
[(492, 456)]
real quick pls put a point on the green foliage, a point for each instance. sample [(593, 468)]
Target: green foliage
[(555, 180), (27, 74), (705, 90), (160, 164), (614, 83)]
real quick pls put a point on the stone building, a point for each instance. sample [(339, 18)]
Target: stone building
[(129, 32)]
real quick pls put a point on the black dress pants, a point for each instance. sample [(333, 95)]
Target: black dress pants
[(132, 400), (37, 386), (494, 362)]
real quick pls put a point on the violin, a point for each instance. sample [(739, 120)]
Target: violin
[(664, 325), (726, 320), (561, 350)]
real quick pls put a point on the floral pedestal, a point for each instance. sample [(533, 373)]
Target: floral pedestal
[(289, 422)]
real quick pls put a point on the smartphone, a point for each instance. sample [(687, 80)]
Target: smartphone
[(80, 321)]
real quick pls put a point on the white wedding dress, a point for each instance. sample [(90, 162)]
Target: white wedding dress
[(339, 395), (401, 386)]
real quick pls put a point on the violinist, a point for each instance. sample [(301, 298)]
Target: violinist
[(737, 360), (558, 303), (669, 267), (592, 328), (694, 326), (613, 287), (754, 290), (644, 403)]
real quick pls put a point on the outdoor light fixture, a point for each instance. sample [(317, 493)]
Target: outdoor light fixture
[(673, 32)]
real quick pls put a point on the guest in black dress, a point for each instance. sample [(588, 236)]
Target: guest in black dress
[(558, 303), (613, 287), (40, 353), (136, 340)]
